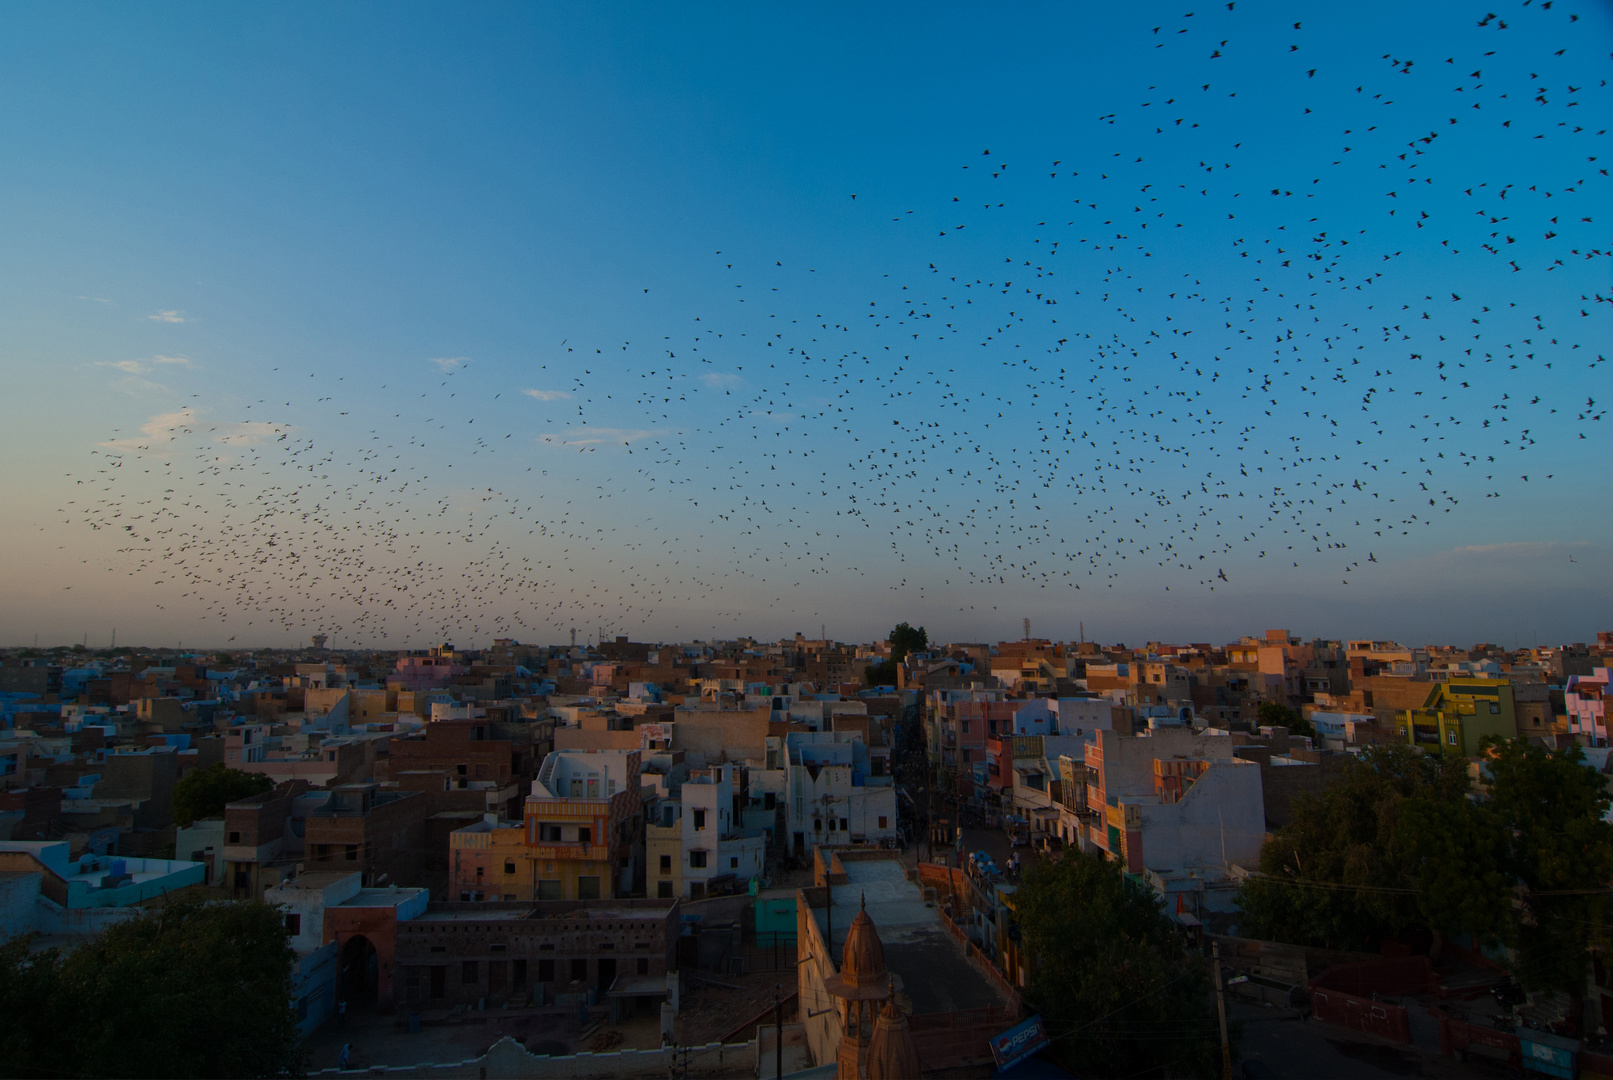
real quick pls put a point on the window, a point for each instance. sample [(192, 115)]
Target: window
[(549, 890), (509, 866), (352, 853), (882, 823), (235, 838), (479, 870), (439, 980), (831, 824), (461, 770), (817, 824), (518, 974), (585, 835), (845, 826), (663, 890), (1450, 736), (733, 862), (666, 864), (546, 970), (769, 800), (697, 860), (468, 973), (588, 888), (293, 924), (700, 819), (643, 965), (579, 971), (1495, 708), (550, 834), (966, 727)]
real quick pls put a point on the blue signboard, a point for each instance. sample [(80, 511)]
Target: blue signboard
[(1018, 1043)]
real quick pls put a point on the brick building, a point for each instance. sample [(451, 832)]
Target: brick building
[(459, 954), (363, 827)]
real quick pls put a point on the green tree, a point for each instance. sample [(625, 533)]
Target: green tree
[(880, 674), (905, 639), (1392, 844), (204, 793), (1111, 976), (1273, 714), (1562, 855), (187, 989), (30, 985)]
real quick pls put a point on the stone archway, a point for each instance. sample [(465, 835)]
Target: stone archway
[(357, 974)]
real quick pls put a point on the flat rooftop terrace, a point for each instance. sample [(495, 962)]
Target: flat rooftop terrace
[(936, 974)]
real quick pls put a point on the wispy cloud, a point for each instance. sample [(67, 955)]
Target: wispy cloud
[(155, 434), (168, 317), (158, 434), (246, 433), (140, 367), (547, 395), (720, 378), (598, 436), (1521, 549), (449, 363), (97, 299)]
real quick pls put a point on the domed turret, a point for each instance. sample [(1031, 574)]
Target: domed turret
[(862, 962), (892, 1054)]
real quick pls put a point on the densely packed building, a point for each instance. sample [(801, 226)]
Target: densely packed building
[(525, 823)]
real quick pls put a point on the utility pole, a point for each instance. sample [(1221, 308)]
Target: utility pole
[(778, 1025), (1221, 1009)]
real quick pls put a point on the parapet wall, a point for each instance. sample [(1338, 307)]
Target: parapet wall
[(509, 1060)]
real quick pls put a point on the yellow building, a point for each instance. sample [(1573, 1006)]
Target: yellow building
[(1460, 714), (584, 844)]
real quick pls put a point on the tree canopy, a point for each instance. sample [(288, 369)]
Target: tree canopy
[(203, 793), (1400, 843), (1273, 714), (905, 639), (1112, 977), (187, 989)]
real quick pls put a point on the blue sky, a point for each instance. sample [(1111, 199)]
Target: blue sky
[(567, 306)]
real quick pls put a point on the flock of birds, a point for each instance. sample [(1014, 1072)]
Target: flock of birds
[(1151, 365)]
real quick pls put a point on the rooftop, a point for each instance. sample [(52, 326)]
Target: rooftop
[(936, 974)]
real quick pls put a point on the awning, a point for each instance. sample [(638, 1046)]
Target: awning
[(638, 986)]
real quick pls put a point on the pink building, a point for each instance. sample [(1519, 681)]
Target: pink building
[(1586, 700), (432, 671)]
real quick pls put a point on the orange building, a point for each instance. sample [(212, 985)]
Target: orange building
[(581, 837)]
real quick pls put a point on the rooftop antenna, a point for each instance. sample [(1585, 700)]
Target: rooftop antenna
[(1083, 632), (573, 637), (1027, 624)]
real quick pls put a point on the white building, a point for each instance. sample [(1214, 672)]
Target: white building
[(715, 842), (832, 797)]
